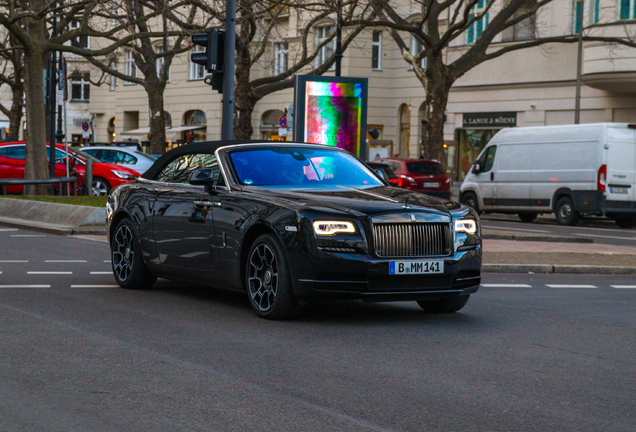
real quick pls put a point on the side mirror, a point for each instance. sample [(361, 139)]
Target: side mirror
[(204, 176), (477, 168)]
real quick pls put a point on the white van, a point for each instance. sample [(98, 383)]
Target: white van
[(567, 170)]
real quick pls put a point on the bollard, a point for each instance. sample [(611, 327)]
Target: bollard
[(88, 179)]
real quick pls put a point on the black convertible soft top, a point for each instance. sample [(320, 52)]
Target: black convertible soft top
[(208, 147)]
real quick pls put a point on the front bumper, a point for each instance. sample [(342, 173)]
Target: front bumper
[(360, 276)]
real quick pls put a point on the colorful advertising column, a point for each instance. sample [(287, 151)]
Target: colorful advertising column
[(331, 111)]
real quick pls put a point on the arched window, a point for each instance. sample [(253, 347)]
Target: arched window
[(195, 118)]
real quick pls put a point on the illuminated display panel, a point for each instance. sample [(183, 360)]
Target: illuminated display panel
[(331, 111)]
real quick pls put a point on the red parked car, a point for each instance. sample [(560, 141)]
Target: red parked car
[(421, 175), (105, 176)]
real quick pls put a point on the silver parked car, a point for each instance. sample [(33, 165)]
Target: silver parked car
[(129, 157)]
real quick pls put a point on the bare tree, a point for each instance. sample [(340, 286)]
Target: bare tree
[(11, 74), (440, 26)]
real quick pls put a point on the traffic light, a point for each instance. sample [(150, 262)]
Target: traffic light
[(214, 43)]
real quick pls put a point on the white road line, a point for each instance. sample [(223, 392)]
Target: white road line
[(65, 261), (94, 286), (107, 261), (515, 229), (105, 272), (49, 273), (28, 235), (571, 286), (25, 286), (8, 229), (603, 236), (506, 286), (14, 261), (624, 286)]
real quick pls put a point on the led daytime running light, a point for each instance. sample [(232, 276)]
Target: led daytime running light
[(468, 226), (333, 227)]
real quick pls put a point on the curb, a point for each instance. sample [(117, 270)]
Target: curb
[(551, 239), (51, 228), (556, 268)]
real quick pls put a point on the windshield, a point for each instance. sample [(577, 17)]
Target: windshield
[(299, 167), (85, 155), (425, 168), (144, 155)]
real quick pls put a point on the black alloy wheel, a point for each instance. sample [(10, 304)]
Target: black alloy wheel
[(528, 217), (444, 306), (268, 282), (129, 268), (470, 199), (566, 214)]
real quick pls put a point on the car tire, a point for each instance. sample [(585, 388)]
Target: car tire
[(129, 268), (268, 280), (565, 212), (100, 187), (528, 217), (625, 222), (445, 305), (470, 199)]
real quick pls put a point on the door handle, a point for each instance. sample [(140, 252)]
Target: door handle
[(207, 204), (492, 176)]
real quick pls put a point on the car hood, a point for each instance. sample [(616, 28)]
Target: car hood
[(371, 202)]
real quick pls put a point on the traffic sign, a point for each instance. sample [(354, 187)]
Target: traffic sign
[(85, 127), (282, 121)]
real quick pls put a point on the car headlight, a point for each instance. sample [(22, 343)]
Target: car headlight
[(123, 175), (332, 227), (468, 226)]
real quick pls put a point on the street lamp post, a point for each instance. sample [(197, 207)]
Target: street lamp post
[(579, 65), (227, 122), (338, 52)]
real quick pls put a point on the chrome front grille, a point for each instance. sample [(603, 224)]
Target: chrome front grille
[(412, 239)]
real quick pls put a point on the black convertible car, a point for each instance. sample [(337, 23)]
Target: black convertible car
[(288, 223)]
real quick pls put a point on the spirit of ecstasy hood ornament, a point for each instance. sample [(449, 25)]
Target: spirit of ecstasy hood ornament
[(406, 202)]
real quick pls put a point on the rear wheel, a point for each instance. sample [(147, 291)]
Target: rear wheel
[(528, 217), (444, 306), (100, 186), (129, 268), (565, 212), (626, 222), (269, 287), (470, 199)]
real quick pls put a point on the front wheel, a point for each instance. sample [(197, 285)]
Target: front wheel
[(470, 199), (565, 212), (444, 306), (129, 268), (269, 287), (528, 217), (100, 187)]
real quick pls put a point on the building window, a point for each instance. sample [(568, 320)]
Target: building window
[(131, 66), (80, 87), (160, 62), (477, 27), (280, 57), (626, 9), (322, 34), (416, 48), (597, 11), (525, 29), (376, 51), (113, 83), (80, 41), (578, 5), (197, 71)]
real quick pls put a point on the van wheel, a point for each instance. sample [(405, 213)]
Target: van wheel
[(565, 212), (470, 199), (626, 222), (528, 217)]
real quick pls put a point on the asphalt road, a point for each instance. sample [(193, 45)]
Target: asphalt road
[(602, 231), (528, 353)]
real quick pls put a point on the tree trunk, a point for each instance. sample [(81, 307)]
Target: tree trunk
[(243, 120), (36, 165), (157, 133), (244, 98), (15, 116), (437, 91)]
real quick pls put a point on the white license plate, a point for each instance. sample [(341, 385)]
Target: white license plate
[(430, 184), (416, 267), (619, 190)]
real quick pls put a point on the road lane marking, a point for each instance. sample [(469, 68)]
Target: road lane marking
[(94, 286), (506, 286), (608, 237), (49, 272), (14, 261), (570, 286), (624, 286), (28, 235), (107, 261), (25, 286), (8, 229), (102, 272), (65, 261), (515, 229)]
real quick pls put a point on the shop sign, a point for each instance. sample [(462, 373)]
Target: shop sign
[(495, 119)]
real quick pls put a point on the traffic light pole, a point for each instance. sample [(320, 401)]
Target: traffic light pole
[(227, 124)]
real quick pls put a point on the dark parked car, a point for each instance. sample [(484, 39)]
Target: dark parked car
[(386, 173), (421, 175), (288, 223)]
